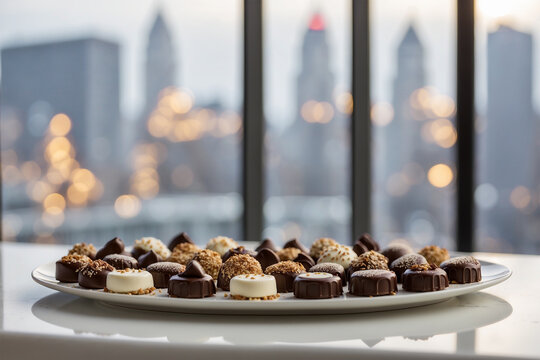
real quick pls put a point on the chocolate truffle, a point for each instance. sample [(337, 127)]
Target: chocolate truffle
[(68, 267), (305, 260), (366, 240), (120, 262), (179, 239), (396, 251), (434, 254), (162, 272), (237, 265), (331, 268), (130, 281), (317, 286), (267, 257), (425, 277), (145, 244), (237, 251), (285, 272), (368, 261), (221, 244), (375, 282), (83, 249), (267, 244), (94, 274), (463, 270), (319, 245), (183, 253), (288, 253), (192, 283), (149, 258), (359, 248), (294, 243), (339, 254), (253, 287), (114, 246), (210, 261), (405, 262)]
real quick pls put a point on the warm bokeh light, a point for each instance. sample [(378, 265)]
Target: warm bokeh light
[(54, 203), (317, 112), (344, 103), (440, 175), (127, 206), (494, 8), (76, 196), (382, 113), (30, 170), (443, 133), (83, 179), (520, 197), (60, 125)]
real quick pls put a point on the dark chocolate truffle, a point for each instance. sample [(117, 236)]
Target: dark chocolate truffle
[(368, 261), (162, 272), (266, 257), (121, 262), (317, 286), (94, 274), (285, 272), (149, 258), (374, 282), (192, 283), (463, 270), (368, 242), (267, 244), (405, 262), (114, 246), (294, 243), (180, 239), (359, 248), (422, 278), (237, 251), (68, 267), (394, 252), (305, 260), (331, 268)]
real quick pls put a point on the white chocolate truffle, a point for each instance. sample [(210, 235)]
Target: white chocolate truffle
[(130, 281), (338, 254), (221, 244), (150, 243), (253, 286)]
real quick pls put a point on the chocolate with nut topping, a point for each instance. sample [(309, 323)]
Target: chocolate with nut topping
[(94, 274), (285, 272), (68, 267), (424, 277), (405, 262), (331, 268)]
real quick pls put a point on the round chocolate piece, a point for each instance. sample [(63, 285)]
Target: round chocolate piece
[(434, 254), (368, 242), (162, 272), (68, 267), (121, 262), (319, 246), (149, 258), (267, 244), (405, 262), (375, 282), (368, 261), (179, 239), (237, 251), (394, 252), (317, 286), (94, 274), (83, 249), (422, 278), (193, 283), (463, 270), (242, 264), (285, 272), (210, 261), (114, 246), (331, 268), (266, 257), (305, 260), (294, 243)]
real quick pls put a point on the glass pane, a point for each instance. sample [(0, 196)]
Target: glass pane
[(117, 120), (508, 132), (307, 107), (413, 80)]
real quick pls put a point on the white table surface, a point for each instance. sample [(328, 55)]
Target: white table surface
[(36, 322)]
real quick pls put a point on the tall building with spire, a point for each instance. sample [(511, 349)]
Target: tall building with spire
[(161, 64)]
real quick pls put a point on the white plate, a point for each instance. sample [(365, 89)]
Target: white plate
[(492, 274)]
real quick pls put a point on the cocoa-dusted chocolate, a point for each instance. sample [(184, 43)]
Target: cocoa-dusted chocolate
[(121, 262), (162, 272), (237, 251), (368, 241), (83, 249), (179, 239), (375, 282), (267, 244), (288, 253), (319, 246), (149, 258), (463, 270), (423, 278), (210, 261), (317, 286), (396, 251), (434, 254), (305, 260), (242, 264), (294, 243), (285, 272), (67, 267), (94, 274), (192, 283), (405, 262), (114, 246), (331, 268), (267, 257), (368, 261)]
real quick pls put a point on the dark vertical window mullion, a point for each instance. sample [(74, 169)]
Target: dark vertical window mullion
[(360, 122), (253, 176), (465, 118)]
